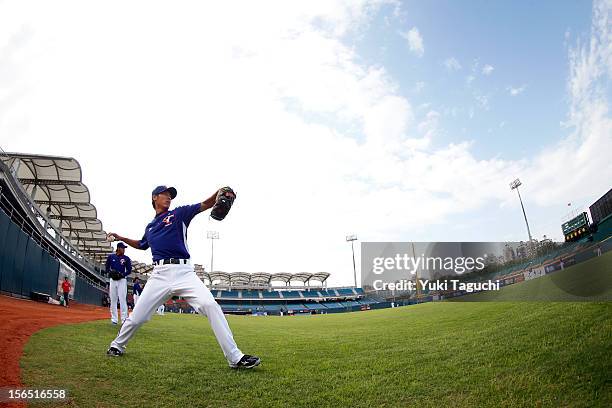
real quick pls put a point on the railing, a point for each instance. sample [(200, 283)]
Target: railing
[(42, 233)]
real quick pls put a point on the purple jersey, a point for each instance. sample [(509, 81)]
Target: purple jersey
[(166, 235), (119, 263)]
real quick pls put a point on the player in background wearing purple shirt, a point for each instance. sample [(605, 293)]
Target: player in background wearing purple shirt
[(136, 290), (174, 275), (118, 266)]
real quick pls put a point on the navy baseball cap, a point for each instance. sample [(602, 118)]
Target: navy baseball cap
[(161, 189), (121, 245)]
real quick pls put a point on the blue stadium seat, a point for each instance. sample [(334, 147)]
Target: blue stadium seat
[(272, 308), (250, 294), (228, 294), (299, 301), (334, 305), (314, 306), (232, 307), (291, 294), (297, 307), (328, 293), (271, 294), (312, 295)]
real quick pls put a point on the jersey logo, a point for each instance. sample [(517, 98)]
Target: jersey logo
[(122, 261), (168, 220)]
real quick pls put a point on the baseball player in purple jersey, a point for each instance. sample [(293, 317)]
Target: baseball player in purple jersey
[(174, 275), (118, 266)]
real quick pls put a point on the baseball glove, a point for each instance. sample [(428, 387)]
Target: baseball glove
[(114, 275), (225, 199)]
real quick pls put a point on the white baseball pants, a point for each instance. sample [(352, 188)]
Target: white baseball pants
[(118, 289), (179, 280), (135, 297)]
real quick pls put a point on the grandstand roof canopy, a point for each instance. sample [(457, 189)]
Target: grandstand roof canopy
[(141, 268), (55, 185), (257, 278)]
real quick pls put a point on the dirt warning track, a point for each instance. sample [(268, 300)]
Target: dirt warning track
[(19, 319)]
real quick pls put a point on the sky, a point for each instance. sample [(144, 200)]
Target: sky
[(394, 121)]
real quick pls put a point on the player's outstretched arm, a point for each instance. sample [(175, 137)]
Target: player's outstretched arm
[(209, 202), (134, 243)]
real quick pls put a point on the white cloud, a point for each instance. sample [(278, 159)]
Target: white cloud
[(428, 128), (452, 64), (516, 91), (419, 86), (487, 69), (483, 100), (415, 41), (584, 169)]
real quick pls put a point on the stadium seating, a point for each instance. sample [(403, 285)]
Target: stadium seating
[(328, 293), (306, 300), (315, 306), (271, 294), (228, 294), (250, 294), (231, 306), (291, 294), (275, 308), (334, 305)]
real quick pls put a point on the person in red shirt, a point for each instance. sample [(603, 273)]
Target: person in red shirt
[(66, 289)]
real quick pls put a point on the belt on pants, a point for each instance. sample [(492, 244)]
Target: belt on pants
[(171, 261)]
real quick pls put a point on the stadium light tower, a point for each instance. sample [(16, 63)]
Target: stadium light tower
[(351, 239), (212, 235), (515, 186)]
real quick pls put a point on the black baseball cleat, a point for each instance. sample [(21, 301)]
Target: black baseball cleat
[(114, 352), (246, 362)]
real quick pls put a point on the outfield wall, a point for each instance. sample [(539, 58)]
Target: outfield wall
[(84, 292), (24, 266)]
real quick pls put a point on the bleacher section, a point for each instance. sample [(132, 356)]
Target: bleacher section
[(267, 294), (227, 294), (330, 293), (302, 301), (291, 294), (250, 294), (46, 233)]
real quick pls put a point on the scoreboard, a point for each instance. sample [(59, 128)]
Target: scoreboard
[(602, 207), (576, 228)]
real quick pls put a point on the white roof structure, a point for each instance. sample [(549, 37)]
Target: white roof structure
[(55, 185), (258, 279)]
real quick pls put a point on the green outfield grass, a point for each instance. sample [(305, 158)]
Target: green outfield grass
[(436, 354)]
